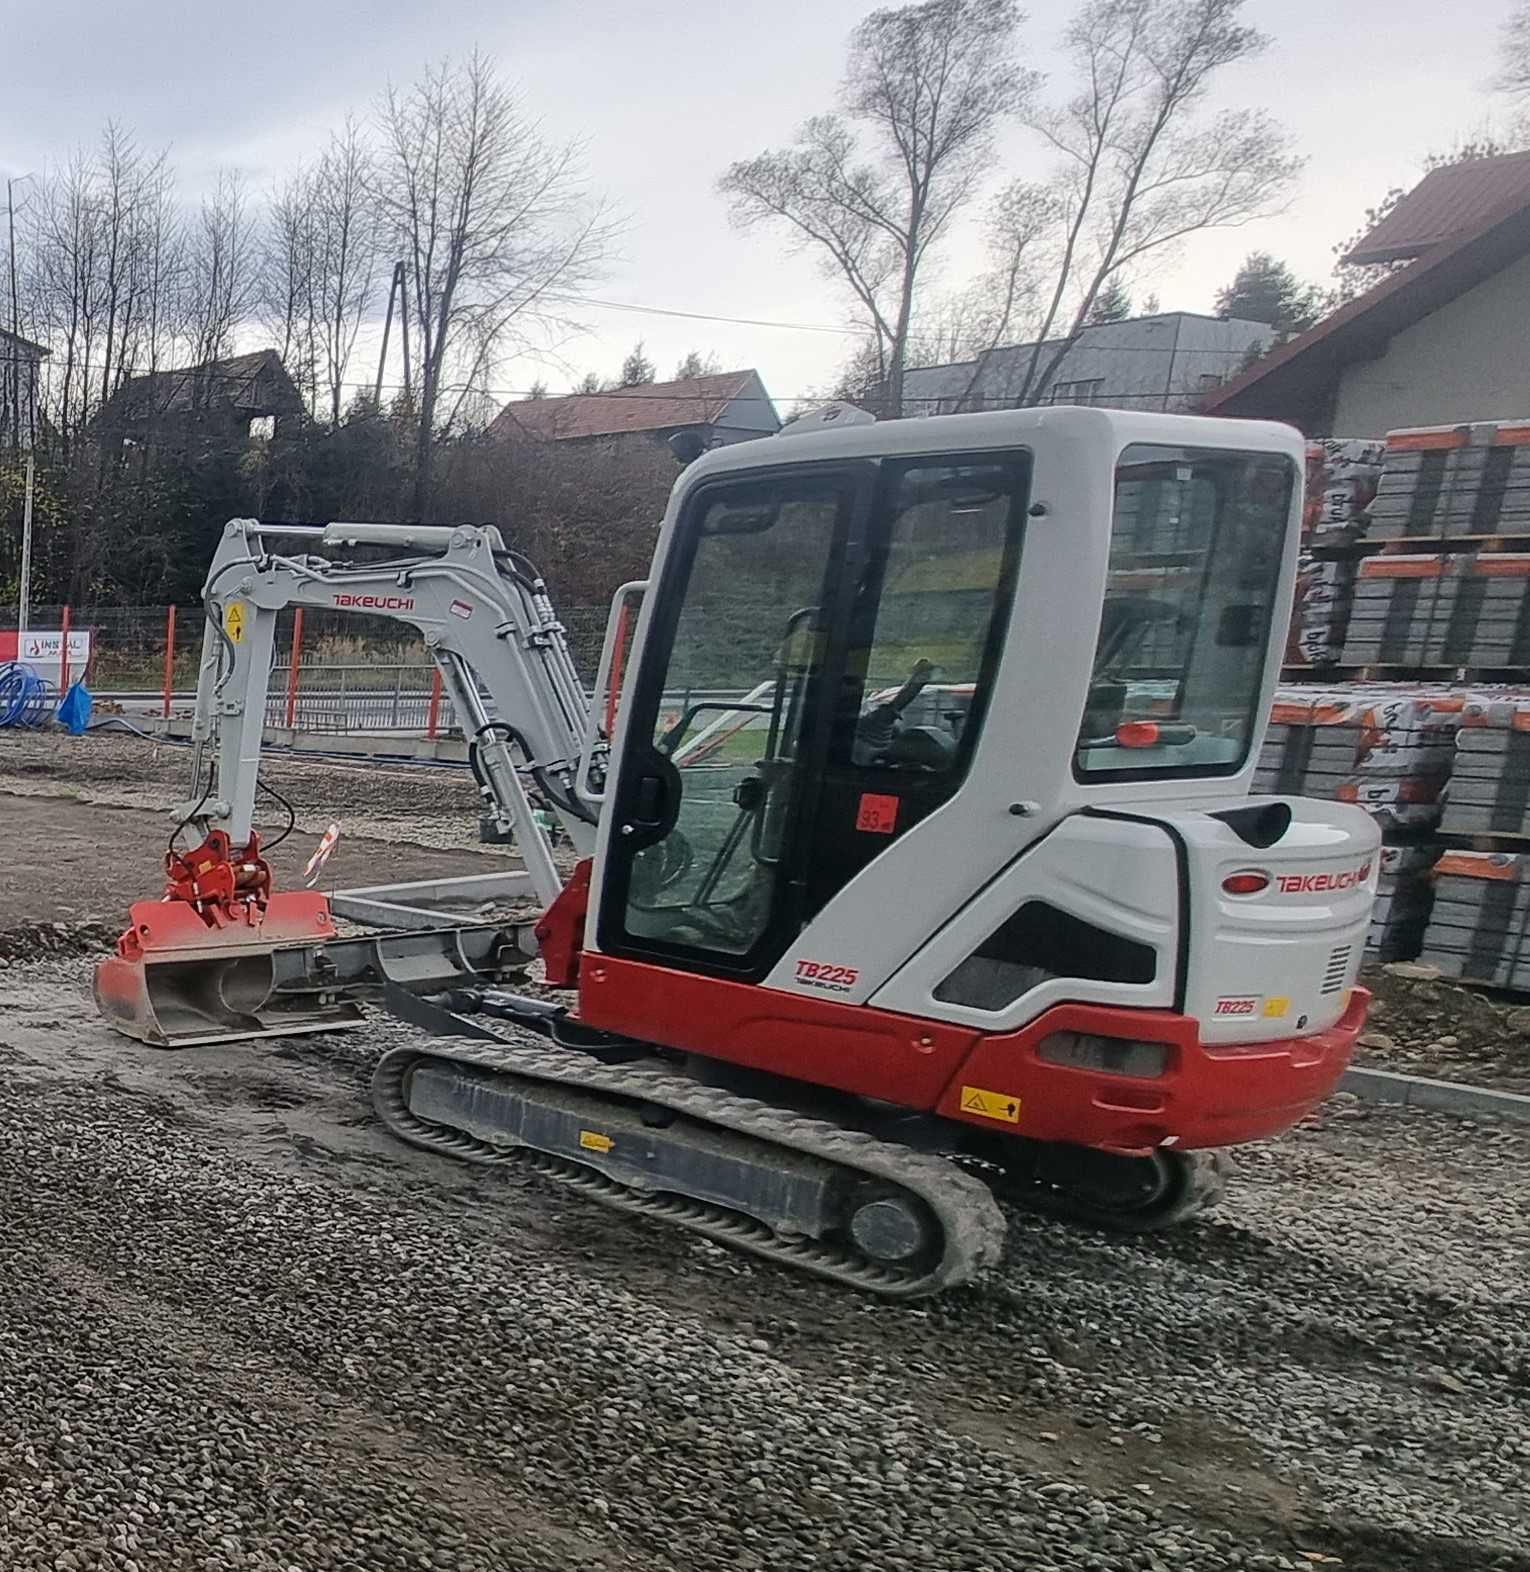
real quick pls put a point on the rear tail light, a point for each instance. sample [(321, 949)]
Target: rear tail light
[(1249, 882), (1112, 1055)]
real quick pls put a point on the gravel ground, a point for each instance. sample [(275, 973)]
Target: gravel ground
[(1422, 1024), (240, 1327), (243, 1328)]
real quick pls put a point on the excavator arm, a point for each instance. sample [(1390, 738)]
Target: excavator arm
[(225, 955)]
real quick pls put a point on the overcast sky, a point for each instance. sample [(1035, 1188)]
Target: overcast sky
[(666, 95)]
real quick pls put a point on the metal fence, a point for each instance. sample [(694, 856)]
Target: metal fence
[(333, 673)]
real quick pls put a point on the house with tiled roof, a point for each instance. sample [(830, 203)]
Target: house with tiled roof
[(727, 406), (239, 397), (1441, 340)]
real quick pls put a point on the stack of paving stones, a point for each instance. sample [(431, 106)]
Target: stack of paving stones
[(1477, 928), (1387, 748), (1450, 482)]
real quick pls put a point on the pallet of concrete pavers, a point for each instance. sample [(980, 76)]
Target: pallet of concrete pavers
[(1489, 792), (1478, 927), (1454, 481), (1343, 474), (1395, 611), (1465, 610), (1386, 747), (1404, 895)]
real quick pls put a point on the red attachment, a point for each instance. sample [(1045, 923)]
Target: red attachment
[(433, 719), (219, 886), (1138, 734), (560, 932), (1208, 1096), (1250, 882)]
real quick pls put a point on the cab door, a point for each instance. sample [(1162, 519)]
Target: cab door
[(726, 716), (815, 675)]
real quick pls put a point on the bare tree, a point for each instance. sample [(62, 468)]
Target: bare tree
[(1140, 170), (1514, 55), (493, 222), (345, 256), (222, 274), (289, 288), (875, 187)]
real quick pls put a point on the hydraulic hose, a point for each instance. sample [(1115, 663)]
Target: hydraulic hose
[(25, 698)]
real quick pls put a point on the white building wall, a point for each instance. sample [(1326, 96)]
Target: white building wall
[(1470, 360)]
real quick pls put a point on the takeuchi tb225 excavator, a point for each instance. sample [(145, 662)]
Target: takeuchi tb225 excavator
[(920, 872)]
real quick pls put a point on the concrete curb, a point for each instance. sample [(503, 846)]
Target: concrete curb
[(1418, 1091)]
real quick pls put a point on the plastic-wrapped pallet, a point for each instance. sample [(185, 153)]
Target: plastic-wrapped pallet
[(1404, 896), (1343, 474), (1489, 790), (1324, 590), (1477, 928), (1450, 481), (1387, 748)]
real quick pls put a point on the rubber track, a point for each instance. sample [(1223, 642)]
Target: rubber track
[(970, 1219)]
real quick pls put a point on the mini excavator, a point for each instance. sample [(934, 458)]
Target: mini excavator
[(919, 871)]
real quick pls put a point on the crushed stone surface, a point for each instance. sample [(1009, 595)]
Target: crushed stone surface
[(243, 1328), (1427, 1025)]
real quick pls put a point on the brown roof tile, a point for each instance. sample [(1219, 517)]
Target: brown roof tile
[(1444, 204), (655, 406)]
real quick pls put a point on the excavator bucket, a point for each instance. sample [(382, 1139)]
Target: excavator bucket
[(176, 982)]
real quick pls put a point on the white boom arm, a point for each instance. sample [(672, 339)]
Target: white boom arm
[(486, 619)]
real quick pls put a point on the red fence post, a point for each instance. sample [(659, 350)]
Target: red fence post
[(433, 724), (169, 657), (614, 678), (63, 656), (293, 668)]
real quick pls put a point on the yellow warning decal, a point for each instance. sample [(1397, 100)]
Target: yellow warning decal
[(233, 621), (991, 1105), (594, 1141), (1275, 1008)]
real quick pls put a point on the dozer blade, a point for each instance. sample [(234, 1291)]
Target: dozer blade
[(175, 982)]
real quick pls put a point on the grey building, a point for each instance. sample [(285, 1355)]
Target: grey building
[(20, 374), (1170, 361), (1441, 340)]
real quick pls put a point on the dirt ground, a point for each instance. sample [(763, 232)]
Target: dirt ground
[(92, 817), (241, 1327)]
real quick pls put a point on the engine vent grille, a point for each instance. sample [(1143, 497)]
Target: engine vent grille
[(1337, 969)]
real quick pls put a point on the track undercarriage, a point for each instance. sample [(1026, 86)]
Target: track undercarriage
[(892, 1204)]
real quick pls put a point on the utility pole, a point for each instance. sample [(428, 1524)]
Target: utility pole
[(13, 359), (24, 599), (382, 359), (397, 288)]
